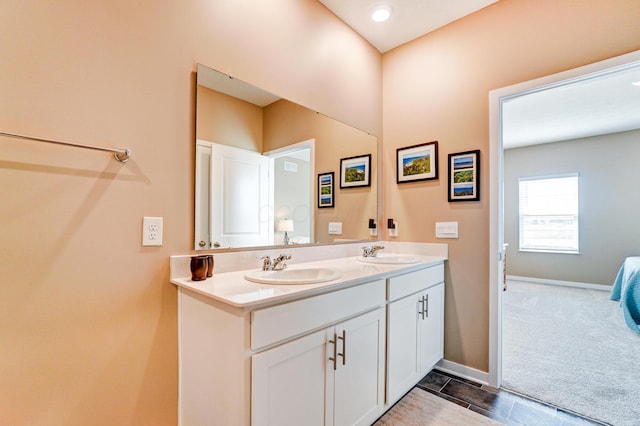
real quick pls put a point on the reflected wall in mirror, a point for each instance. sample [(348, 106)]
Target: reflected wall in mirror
[(257, 161)]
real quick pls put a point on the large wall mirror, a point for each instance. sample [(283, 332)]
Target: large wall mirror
[(268, 171)]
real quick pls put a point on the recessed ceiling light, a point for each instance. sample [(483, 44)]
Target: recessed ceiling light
[(636, 83), (381, 13)]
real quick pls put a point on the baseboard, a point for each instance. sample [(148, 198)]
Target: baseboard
[(560, 283), (463, 371)]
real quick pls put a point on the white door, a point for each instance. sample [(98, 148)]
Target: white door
[(432, 331), (403, 363), (240, 211), (288, 383), (359, 376)]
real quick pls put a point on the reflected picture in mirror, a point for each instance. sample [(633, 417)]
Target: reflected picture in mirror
[(326, 188), (355, 171), (256, 161)]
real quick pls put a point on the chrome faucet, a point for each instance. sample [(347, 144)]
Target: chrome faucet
[(266, 263), (277, 264), (371, 251)]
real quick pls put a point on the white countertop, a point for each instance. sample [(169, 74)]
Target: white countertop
[(233, 289)]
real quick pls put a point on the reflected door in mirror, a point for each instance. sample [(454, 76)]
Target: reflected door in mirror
[(236, 114), (239, 198)]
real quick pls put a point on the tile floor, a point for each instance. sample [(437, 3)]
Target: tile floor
[(503, 406)]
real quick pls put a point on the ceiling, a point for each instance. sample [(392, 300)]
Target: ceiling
[(409, 20), (590, 107), (223, 83), (603, 104)]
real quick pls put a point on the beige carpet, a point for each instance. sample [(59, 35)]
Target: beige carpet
[(571, 348), (419, 408)]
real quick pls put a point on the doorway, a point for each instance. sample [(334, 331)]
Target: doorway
[(291, 172), (498, 99)]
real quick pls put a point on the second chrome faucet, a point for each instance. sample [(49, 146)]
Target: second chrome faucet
[(371, 251), (275, 264)]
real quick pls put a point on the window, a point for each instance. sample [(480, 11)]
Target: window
[(549, 213)]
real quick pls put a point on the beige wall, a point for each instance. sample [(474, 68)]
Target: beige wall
[(287, 123), (609, 174), (436, 88), (88, 321), (228, 120)]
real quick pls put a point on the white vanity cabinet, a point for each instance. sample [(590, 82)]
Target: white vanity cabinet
[(331, 377), (415, 328), (318, 360), (327, 355)]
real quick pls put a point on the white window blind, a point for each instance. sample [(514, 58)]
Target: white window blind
[(549, 214)]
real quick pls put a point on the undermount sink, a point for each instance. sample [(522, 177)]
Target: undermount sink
[(293, 276), (390, 259)]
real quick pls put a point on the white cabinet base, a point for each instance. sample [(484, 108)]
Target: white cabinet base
[(415, 329), (334, 359), (358, 386), (289, 383), (215, 377), (331, 377), (403, 363)]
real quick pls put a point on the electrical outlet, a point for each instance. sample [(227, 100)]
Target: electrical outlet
[(152, 231)]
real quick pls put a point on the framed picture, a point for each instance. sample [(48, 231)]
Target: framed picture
[(464, 176), (417, 162), (355, 171), (325, 190)]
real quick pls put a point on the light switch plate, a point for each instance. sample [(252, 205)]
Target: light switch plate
[(152, 231), (335, 228), (393, 232), (446, 229)]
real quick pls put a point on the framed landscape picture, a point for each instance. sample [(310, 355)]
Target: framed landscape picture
[(325, 190), (464, 176), (355, 171), (417, 162)]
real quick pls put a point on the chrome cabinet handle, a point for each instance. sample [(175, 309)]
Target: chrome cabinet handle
[(421, 311), (344, 347), (426, 306), (335, 351)]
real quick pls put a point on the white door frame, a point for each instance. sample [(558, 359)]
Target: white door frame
[(496, 165), (309, 144)]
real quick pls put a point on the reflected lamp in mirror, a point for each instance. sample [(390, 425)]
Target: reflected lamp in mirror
[(286, 226)]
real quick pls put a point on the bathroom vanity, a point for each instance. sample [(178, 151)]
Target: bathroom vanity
[(337, 352)]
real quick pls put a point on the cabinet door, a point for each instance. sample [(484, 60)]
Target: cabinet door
[(403, 356), (358, 388), (431, 336), (288, 383)]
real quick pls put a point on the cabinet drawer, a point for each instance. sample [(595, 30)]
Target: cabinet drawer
[(281, 322), (404, 285)]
